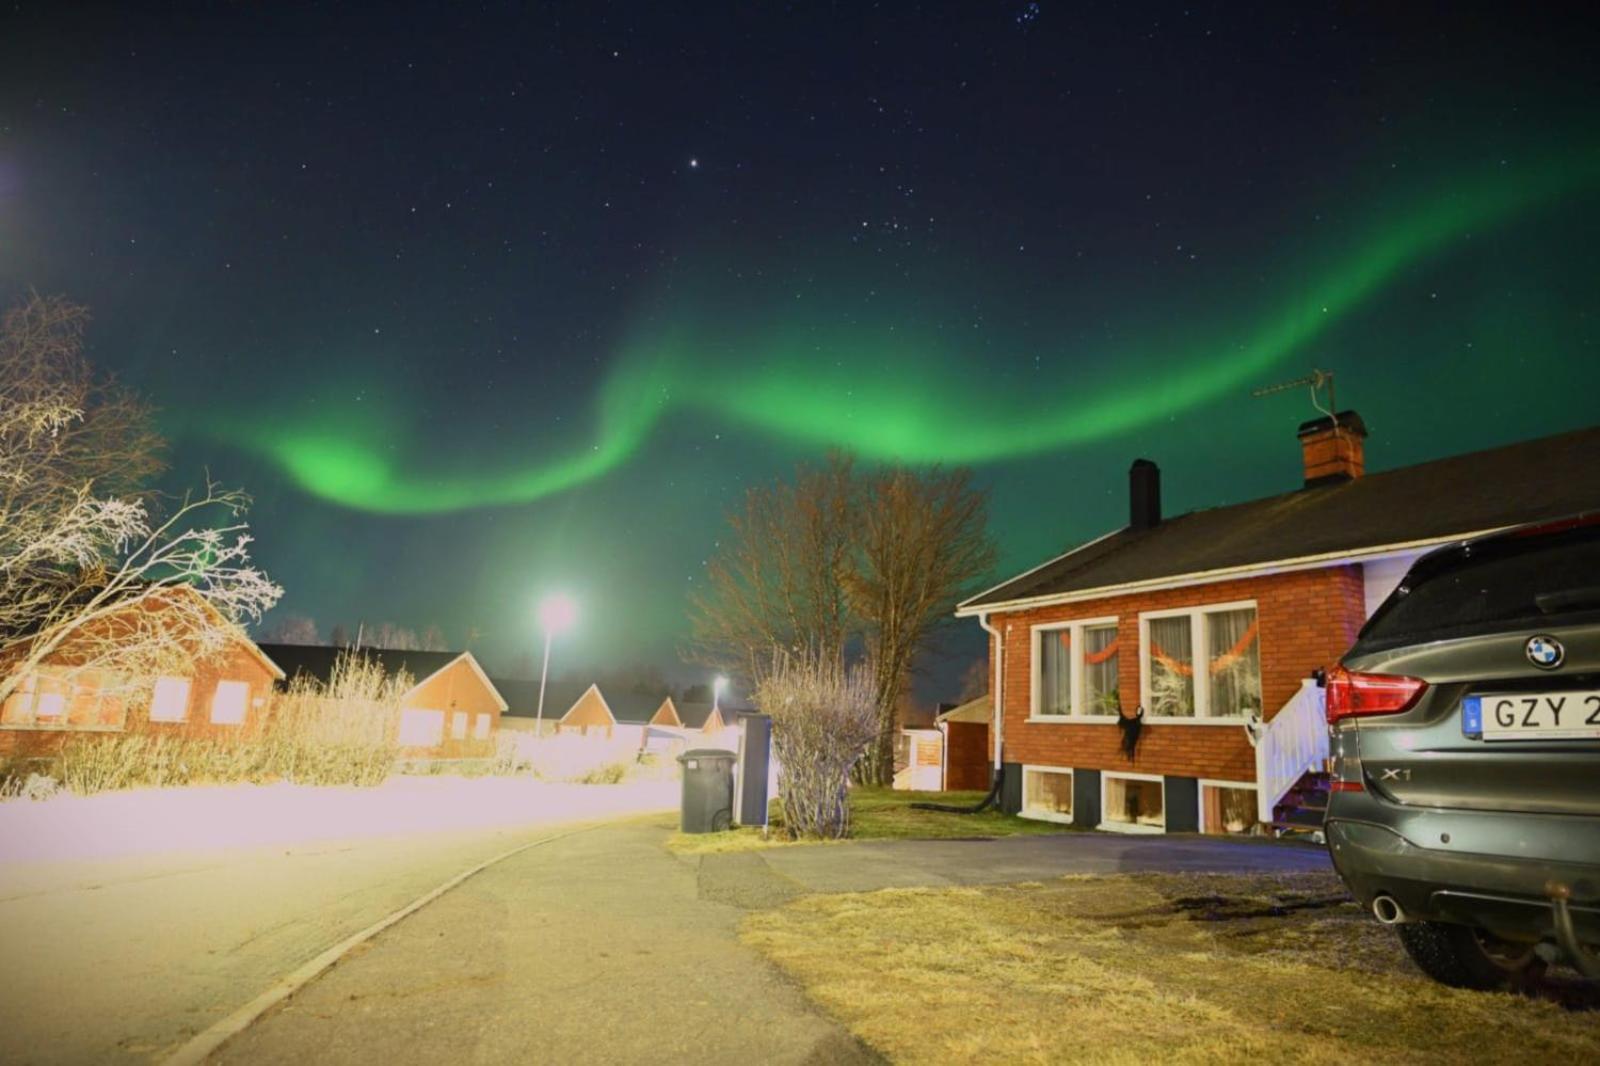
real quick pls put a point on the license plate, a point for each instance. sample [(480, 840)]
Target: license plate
[(1571, 715)]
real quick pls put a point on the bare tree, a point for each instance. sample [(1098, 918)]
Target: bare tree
[(433, 639), (391, 637), (339, 635), (292, 629), (922, 543), (774, 581), (83, 558)]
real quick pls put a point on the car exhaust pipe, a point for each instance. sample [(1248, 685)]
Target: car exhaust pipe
[(1388, 911)]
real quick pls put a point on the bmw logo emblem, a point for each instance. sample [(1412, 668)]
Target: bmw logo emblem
[(1545, 652)]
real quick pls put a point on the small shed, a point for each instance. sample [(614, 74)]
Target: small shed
[(968, 765)]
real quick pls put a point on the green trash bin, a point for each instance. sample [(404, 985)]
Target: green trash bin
[(707, 790)]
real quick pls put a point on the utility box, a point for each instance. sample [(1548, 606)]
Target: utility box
[(707, 805), (755, 767)]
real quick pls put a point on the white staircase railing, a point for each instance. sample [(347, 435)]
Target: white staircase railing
[(1294, 741)]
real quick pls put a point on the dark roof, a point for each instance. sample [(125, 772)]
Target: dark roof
[(1436, 501), (316, 660), (627, 705)]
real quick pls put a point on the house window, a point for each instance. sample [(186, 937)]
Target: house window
[(170, 700), (458, 725), (1228, 807), (1134, 803), (58, 698), (1046, 793), (1075, 669), (229, 702), (480, 726), (421, 728), (1223, 641)]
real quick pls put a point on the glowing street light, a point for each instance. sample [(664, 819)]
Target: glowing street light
[(557, 612), (716, 691)]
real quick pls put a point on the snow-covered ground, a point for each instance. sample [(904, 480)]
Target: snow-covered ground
[(204, 818)]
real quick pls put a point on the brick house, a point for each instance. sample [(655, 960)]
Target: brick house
[(451, 711), (222, 695), (1201, 633)]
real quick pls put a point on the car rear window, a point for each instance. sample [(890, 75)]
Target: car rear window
[(1502, 583)]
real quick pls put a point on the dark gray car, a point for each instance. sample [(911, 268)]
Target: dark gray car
[(1465, 802)]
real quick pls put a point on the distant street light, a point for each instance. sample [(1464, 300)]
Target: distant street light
[(557, 612), (716, 691)]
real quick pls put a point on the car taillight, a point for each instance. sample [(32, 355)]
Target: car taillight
[(1350, 694)]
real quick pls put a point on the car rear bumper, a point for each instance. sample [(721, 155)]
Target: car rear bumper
[(1507, 895)]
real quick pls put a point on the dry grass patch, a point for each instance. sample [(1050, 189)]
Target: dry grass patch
[(1170, 968)]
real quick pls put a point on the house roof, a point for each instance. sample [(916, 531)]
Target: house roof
[(1410, 507), (975, 710), (627, 705), (317, 660)]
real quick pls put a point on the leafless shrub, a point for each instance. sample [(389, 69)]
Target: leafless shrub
[(824, 720)]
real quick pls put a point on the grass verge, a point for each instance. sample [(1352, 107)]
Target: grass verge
[(1168, 968), (878, 814)]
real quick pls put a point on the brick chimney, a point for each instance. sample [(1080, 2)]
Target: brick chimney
[(1332, 448)]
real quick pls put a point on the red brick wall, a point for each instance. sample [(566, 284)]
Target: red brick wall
[(235, 664), (1307, 619)]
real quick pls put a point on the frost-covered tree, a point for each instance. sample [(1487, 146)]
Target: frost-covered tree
[(87, 556)]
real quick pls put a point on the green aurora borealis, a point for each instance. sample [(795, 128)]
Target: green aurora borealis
[(480, 303), (901, 396)]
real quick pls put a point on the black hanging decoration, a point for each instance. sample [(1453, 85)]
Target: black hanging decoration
[(1132, 728)]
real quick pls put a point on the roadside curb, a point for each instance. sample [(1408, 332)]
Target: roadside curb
[(201, 1046)]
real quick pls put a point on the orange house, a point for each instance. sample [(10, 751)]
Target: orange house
[(220, 695), (1161, 677), (452, 711)]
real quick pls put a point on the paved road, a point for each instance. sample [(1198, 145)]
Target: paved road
[(123, 958), (597, 948)]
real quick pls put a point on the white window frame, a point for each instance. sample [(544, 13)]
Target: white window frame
[(1106, 777), (1212, 782), (481, 725), (458, 725), (188, 694), (244, 701), (1035, 687), (1047, 816), (1198, 654)]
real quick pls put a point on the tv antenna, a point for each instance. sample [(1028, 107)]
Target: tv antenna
[(1317, 380)]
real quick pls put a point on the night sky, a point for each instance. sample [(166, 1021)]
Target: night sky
[(482, 304)]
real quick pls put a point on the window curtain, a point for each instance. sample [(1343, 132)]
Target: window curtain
[(1234, 655), (1171, 667), (1055, 671), (1100, 670)]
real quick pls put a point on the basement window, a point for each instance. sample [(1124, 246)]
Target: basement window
[(1228, 808), (1047, 793), (1133, 803)]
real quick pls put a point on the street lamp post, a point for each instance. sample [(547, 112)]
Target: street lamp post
[(556, 614)]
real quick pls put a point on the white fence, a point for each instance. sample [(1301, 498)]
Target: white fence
[(1294, 741)]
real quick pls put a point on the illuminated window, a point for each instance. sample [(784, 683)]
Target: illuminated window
[(420, 728), (1075, 669), (1047, 794), (480, 728), (1202, 662), (18, 708), (1133, 803), (1229, 808), (170, 700), (458, 725), (230, 702)]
